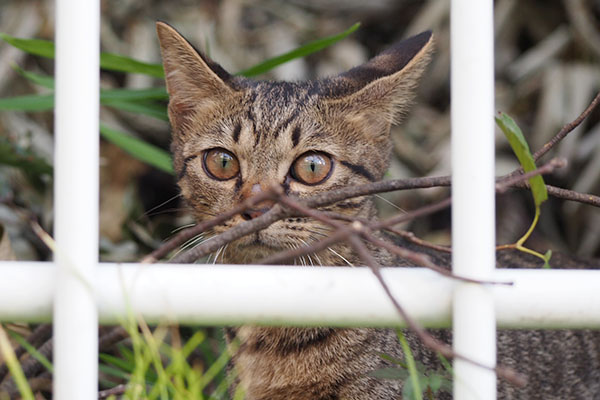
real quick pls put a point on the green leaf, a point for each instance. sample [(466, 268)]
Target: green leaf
[(116, 62), (112, 371), (412, 387), (30, 102), (15, 156), (547, 257), (300, 52), (32, 351), (521, 149), (108, 61), (154, 110), (42, 80), (38, 47), (139, 149), (158, 93), (123, 365)]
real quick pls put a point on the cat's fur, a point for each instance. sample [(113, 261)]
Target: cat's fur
[(267, 126)]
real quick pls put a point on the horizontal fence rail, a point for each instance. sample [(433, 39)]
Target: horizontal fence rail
[(342, 296)]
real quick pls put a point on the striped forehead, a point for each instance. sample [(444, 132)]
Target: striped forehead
[(273, 109)]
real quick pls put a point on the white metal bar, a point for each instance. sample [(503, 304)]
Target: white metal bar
[(76, 194), (235, 294), (473, 204)]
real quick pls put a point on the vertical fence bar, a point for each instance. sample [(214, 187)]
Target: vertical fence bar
[(76, 192), (473, 205)]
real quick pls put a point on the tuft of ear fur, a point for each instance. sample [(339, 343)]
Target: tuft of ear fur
[(193, 80), (381, 89)]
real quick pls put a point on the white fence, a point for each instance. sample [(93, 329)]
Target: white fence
[(75, 291)]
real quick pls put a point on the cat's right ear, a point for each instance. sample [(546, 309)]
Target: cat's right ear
[(193, 80)]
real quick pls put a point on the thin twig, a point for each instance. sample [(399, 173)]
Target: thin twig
[(398, 219), (186, 234), (423, 260), (418, 241), (275, 214), (432, 343), (568, 128), (566, 194), (288, 255), (511, 180), (117, 390)]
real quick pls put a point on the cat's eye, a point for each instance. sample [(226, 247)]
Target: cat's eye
[(220, 164), (312, 168)]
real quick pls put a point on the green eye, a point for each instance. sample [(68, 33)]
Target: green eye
[(312, 168), (220, 164)]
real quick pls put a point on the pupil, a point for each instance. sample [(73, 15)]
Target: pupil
[(224, 161)]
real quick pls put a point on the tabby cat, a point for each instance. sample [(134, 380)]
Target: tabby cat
[(234, 137)]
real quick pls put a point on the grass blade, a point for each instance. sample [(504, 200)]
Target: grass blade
[(12, 362), (158, 93), (138, 148), (38, 79), (110, 97), (108, 61), (30, 102), (300, 52), (116, 62), (32, 351), (153, 110), (412, 367), (30, 164), (38, 47)]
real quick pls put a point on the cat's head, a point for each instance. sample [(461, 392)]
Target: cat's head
[(233, 137)]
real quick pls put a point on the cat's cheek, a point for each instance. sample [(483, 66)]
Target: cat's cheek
[(185, 191)]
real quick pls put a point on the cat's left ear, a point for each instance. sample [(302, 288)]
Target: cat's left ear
[(193, 80), (381, 89)]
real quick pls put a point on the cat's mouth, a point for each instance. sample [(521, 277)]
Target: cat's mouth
[(258, 240), (258, 246)]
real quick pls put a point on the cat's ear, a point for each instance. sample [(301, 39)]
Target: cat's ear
[(193, 80), (381, 89)]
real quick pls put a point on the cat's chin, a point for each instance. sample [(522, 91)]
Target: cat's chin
[(252, 248)]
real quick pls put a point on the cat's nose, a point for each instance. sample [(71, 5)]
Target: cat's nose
[(252, 213), (260, 208)]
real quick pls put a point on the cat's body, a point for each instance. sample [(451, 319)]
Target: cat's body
[(234, 137)]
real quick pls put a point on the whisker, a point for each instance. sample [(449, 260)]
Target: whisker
[(223, 254), (308, 255), (182, 227), (217, 254), (191, 243), (162, 212), (390, 203), (340, 256), (147, 213)]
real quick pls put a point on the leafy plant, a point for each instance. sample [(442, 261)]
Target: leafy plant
[(538, 188)]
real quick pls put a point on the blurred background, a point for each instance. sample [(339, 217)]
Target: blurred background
[(547, 72)]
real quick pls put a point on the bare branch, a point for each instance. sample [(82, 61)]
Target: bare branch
[(423, 243), (511, 180), (566, 194), (434, 344), (186, 234)]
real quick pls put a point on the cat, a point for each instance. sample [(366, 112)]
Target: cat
[(233, 137)]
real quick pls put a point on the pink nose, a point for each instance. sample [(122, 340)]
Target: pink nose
[(260, 208)]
